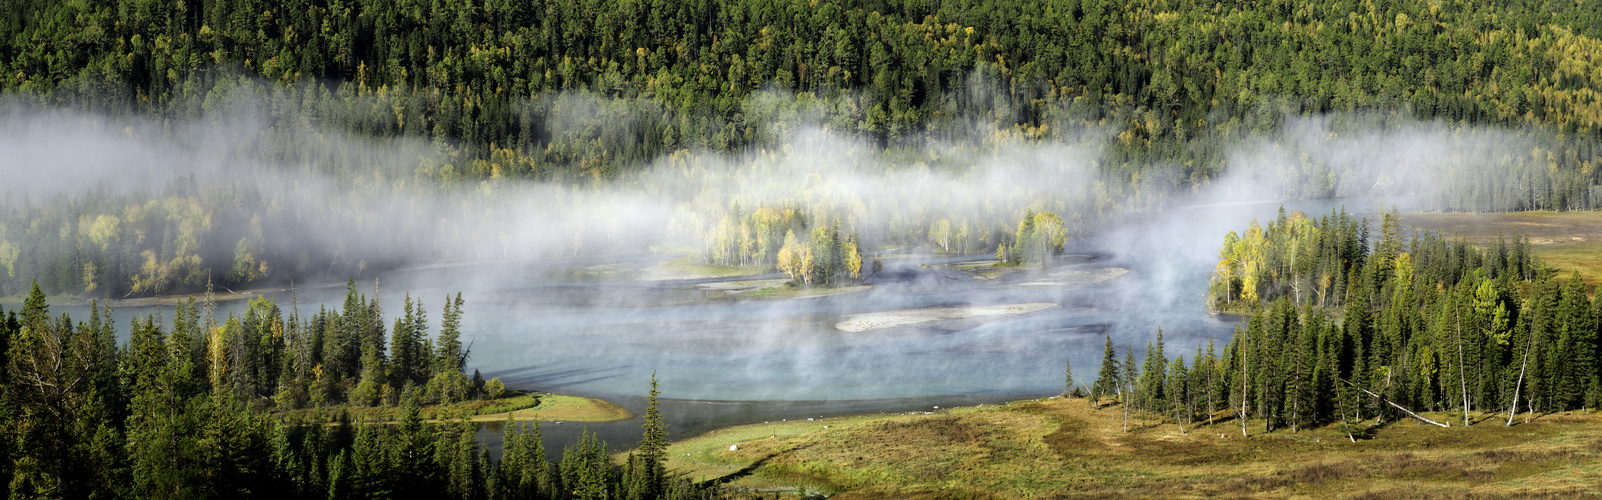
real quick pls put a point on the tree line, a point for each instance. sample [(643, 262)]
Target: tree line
[(1422, 325), (1315, 261), (182, 411), (828, 257)]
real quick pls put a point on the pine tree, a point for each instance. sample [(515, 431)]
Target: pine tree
[(403, 347), (1107, 380), (449, 357), (523, 467), (653, 445), (1127, 387), (35, 312), (449, 384), (412, 449), (1068, 377), (51, 383), (1205, 372), (1153, 372), (1178, 391)]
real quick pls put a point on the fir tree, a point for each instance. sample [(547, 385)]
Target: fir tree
[(1127, 386), (1068, 376), (1107, 380)]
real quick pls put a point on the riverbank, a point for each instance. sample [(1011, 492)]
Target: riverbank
[(1060, 446)]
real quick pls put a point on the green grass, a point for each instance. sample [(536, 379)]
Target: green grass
[(520, 406), (430, 412), (771, 292), (686, 265), (573, 409), (1061, 447)]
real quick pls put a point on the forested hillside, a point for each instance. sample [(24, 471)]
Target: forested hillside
[(1466, 105), (1163, 73)]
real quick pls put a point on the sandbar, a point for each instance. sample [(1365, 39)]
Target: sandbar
[(867, 322)]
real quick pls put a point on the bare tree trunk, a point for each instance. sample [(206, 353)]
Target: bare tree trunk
[(1243, 389), (1123, 399), (1379, 412), (1522, 365), (1399, 407), (1348, 428), (1211, 401), (1178, 418), (1461, 369), (1295, 408)]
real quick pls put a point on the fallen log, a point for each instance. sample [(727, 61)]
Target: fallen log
[(1393, 403)]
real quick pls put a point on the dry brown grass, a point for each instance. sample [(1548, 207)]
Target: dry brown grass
[(1063, 449), (1569, 241)]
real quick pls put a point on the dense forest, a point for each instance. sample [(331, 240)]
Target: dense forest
[(401, 99), (1421, 324), (187, 410), (481, 72)]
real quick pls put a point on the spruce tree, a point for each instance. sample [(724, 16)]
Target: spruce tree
[(1127, 387), (403, 348), (1107, 380), (1152, 373), (449, 357), (1068, 376), (1178, 392), (653, 445)]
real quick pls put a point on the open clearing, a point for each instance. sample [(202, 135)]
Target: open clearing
[(1568, 241), (867, 322), (1062, 448)]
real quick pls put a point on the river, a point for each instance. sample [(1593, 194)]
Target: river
[(582, 327)]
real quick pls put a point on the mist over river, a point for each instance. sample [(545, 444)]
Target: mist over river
[(589, 327)]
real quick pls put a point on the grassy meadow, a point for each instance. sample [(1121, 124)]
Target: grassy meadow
[(1568, 241), (1061, 448), (550, 407)]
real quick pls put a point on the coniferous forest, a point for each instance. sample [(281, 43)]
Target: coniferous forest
[(193, 409), (1415, 323)]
